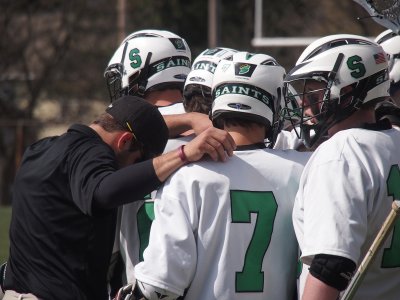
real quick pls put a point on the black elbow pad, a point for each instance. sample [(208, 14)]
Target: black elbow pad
[(335, 271)]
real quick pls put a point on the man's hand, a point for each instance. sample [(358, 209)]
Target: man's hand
[(125, 293), (217, 143), (199, 122)]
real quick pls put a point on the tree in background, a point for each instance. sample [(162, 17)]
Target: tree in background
[(59, 50), (35, 36)]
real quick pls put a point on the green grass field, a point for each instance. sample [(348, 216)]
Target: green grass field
[(5, 216)]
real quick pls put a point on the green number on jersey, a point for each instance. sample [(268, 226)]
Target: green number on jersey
[(263, 204), (145, 217), (391, 255), (299, 268)]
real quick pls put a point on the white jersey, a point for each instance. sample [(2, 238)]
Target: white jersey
[(172, 109), (136, 217), (344, 196), (224, 230), (287, 140)]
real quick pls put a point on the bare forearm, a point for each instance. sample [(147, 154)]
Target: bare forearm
[(317, 290), (177, 124), (166, 164)]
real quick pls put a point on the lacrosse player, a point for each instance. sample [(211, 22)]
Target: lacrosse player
[(161, 82), (224, 231), (351, 179)]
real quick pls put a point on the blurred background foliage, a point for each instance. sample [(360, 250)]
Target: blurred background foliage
[(53, 53)]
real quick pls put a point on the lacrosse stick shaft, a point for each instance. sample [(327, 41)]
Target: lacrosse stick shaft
[(375, 246)]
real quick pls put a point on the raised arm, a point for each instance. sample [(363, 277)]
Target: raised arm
[(180, 123)]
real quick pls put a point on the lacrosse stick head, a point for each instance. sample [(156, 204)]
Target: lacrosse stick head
[(384, 12)]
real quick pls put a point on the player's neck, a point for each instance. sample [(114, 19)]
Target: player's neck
[(164, 97), (246, 135), (356, 120)]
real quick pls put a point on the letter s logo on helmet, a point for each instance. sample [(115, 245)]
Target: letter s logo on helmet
[(148, 60)]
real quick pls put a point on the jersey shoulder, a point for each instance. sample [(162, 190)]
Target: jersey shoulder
[(173, 109)]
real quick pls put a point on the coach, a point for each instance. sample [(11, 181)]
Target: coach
[(68, 187)]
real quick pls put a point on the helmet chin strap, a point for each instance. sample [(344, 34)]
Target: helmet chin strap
[(143, 77), (331, 77), (319, 131), (277, 122)]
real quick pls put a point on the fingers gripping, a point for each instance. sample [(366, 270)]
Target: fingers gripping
[(215, 142)]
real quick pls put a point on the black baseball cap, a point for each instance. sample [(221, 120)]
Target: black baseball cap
[(144, 120)]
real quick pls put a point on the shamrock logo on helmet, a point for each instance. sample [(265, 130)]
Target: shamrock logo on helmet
[(178, 43), (243, 69)]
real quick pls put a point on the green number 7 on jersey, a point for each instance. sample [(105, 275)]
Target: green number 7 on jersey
[(263, 204), (391, 257)]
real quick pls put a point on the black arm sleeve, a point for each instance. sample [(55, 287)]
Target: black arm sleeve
[(335, 271), (126, 185)]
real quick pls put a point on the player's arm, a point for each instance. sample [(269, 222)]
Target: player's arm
[(180, 123), (316, 289), (329, 274), (134, 182)]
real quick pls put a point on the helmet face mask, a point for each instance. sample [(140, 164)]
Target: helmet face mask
[(113, 75), (148, 60), (333, 78), (314, 112)]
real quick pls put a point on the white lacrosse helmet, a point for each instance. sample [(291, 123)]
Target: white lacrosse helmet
[(199, 80), (248, 87), (390, 42), (204, 66), (354, 71), (148, 60)]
